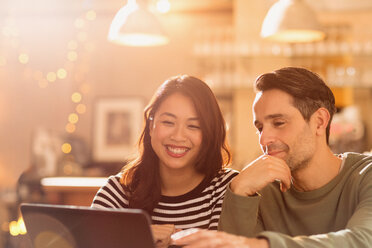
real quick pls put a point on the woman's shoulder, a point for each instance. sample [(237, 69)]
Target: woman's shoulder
[(223, 177), (227, 173), (113, 183)]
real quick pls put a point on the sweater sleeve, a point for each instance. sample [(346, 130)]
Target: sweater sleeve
[(240, 215), (357, 233)]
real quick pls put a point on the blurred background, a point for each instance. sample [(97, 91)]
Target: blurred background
[(75, 76)]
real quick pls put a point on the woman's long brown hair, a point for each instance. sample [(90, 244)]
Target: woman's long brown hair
[(141, 178)]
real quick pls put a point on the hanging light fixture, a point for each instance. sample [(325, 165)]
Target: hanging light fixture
[(291, 21), (135, 25)]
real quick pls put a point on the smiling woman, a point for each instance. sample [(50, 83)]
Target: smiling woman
[(180, 176)]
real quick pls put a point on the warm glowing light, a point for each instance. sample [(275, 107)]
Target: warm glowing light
[(61, 73), (66, 148), (72, 56), (73, 118), (76, 97), (38, 75), (81, 108), (43, 83), (95, 182), (72, 45), (70, 128), (51, 76), (21, 226), (135, 26), (141, 39), (13, 228), (91, 15), (79, 23), (297, 36), (82, 36), (163, 6), (23, 58), (2, 61)]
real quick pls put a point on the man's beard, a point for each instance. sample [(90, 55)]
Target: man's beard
[(295, 164)]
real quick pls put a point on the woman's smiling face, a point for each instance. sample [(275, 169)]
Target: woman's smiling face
[(175, 133)]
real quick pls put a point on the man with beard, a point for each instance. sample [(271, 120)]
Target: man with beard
[(298, 193)]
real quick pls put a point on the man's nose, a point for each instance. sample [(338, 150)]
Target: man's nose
[(266, 137)]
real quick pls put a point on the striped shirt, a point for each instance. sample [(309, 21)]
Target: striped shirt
[(199, 208)]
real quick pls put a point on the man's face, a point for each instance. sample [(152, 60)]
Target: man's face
[(283, 132)]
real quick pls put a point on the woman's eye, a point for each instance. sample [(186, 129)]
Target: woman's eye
[(194, 126), (167, 122)]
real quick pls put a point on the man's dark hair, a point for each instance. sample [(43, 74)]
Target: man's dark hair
[(308, 90)]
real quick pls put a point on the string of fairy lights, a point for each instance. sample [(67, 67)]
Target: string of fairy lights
[(69, 69), (77, 50), (74, 69)]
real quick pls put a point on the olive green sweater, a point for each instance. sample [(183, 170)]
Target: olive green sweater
[(339, 214)]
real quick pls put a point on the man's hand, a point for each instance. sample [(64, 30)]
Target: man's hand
[(162, 234), (208, 239), (262, 171)]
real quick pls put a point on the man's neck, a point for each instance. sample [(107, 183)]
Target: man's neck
[(321, 170)]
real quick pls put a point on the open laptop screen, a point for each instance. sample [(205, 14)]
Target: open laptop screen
[(61, 226)]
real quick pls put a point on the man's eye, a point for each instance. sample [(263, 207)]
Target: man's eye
[(278, 123)]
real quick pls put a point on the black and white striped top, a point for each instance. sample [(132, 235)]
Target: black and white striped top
[(200, 208)]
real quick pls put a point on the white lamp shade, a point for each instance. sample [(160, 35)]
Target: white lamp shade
[(136, 26), (291, 21)]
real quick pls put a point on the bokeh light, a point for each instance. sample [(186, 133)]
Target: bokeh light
[(91, 15), (163, 6), (79, 23), (66, 148), (51, 76), (72, 56), (81, 108), (76, 97), (23, 58), (70, 128), (73, 118), (61, 73)]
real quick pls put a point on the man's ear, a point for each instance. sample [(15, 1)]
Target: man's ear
[(321, 118)]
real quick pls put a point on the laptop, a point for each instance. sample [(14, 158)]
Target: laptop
[(62, 226)]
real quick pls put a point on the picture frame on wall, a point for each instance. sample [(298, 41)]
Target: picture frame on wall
[(117, 126)]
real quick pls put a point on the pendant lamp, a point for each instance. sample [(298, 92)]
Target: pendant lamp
[(135, 25), (291, 21)]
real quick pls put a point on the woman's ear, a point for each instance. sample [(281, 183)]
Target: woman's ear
[(321, 118), (151, 125)]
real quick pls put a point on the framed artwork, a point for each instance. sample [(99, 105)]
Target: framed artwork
[(117, 126)]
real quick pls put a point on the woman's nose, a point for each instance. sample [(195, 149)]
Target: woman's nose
[(178, 133)]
